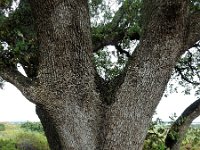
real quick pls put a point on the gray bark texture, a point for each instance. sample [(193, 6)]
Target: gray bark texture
[(80, 111), (180, 126)]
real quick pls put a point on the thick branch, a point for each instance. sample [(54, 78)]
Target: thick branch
[(24, 84), (180, 126), (104, 40), (119, 48), (112, 39), (148, 72)]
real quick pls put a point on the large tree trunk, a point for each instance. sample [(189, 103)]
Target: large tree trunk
[(78, 113), (66, 74)]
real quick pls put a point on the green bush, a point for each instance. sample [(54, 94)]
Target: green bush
[(7, 145), (155, 138), (2, 127), (31, 141), (32, 126), (192, 139)]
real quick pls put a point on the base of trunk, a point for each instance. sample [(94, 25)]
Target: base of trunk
[(49, 129)]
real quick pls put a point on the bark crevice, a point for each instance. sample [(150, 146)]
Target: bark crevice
[(108, 89)]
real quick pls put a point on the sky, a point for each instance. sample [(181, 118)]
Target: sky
[(15, 107)]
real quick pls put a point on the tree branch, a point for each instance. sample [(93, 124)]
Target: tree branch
[(179, 70), (114, 31), (112, 39), (119, 48), (180, 126), (149, 69), (25, 85)]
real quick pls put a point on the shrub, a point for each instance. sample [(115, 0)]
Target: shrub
[(32, 126), (2, 127), (31, 141), (7, 144), (156, 136), (192, 139)]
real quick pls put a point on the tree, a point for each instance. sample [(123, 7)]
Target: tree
[(79, 109)]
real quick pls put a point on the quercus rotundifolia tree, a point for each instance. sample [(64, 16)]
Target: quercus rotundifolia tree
[(54, 41)]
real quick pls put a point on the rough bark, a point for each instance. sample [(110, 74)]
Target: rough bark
[(193, 31), (180, 126), (66, 73), (49, 128), (80, 111), (147, 75)]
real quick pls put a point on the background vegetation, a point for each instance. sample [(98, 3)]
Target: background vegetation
[(22, 136), (155, 139), (30, 136)]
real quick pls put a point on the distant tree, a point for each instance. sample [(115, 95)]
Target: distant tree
[(54, 41), (32, 126), (2, 127)]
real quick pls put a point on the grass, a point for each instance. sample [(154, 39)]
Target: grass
[(17, 138)]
